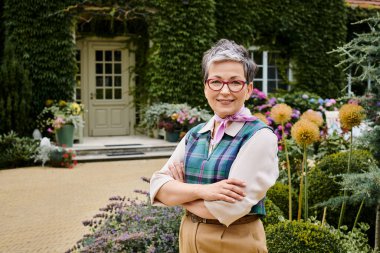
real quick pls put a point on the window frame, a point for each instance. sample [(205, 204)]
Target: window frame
[(265, 67)]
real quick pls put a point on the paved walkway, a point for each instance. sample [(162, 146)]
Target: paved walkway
[(42, 209)]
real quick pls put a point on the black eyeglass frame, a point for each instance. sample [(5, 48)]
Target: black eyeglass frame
[(226, 82)]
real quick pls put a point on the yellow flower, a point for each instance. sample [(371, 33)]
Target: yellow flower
[(351, 115), (313, 116), (62, 103), (49, 102), (261, 117), (281, 113), (174, 116), (75, 108), (304, 132)]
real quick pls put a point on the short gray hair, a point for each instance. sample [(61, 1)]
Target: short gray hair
[(228, 50)]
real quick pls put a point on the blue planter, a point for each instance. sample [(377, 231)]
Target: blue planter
[(65, 136), (172, 136)]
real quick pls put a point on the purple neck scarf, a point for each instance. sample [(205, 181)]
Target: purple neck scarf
[(241, 116)]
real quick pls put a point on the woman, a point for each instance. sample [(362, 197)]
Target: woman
[(221, 170)]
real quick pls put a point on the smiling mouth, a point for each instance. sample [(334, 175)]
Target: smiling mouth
[(225, 101)]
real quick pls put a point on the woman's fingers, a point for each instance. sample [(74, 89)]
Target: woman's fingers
[(229, 190), (177, 171)]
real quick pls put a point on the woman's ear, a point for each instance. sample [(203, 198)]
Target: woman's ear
[(250, 90)]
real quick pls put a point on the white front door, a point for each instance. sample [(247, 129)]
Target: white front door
[(107, 89)]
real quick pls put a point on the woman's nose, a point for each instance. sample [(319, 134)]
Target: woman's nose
[(225, 89)]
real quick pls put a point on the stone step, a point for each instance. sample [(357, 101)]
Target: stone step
[(113, 152)]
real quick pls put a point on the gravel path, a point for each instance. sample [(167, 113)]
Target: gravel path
[(42, 208)]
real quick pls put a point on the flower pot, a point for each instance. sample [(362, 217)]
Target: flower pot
[(65, 135), (56, 158), (172, 136)]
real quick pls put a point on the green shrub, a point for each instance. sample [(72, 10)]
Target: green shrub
[(274, 213), (299, 236), (16, 94), (16, 151), (280, 196), (323, 186), (337, 163)]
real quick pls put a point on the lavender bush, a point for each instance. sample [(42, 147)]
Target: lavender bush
[(131, 225)]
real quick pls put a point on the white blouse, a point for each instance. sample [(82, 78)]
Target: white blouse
[(256, 164)]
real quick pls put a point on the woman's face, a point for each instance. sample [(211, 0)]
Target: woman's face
[(225, 102)]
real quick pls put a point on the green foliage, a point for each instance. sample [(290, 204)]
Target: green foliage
[(337, 163), (304, 31), (280, 196), (363, 52), (180, 33), (298, 236), (16, 151), (16, 95), (233, 21), (323, 185), (44, 45), (329, 145), (274, 213)]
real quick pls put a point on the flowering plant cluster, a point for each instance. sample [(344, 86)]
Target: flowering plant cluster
[(59, 113), (299, 102), (173, 116), (57, 156), (68, 158), (132, 225), (182, 117)]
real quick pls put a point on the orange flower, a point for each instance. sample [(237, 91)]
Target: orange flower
[(313, 116), (281, 113), (351, 115), (304, 132)]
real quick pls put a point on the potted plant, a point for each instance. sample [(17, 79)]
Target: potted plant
[(60, 119)]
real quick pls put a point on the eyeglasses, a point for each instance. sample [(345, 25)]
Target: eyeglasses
[(218, 84)]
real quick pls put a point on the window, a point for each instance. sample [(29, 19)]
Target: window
[(108, 74), (268, 78)]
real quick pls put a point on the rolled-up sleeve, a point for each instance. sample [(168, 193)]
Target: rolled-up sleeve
[(257, 165), (159, 178)]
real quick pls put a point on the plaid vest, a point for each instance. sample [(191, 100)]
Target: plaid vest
[(203, 169)]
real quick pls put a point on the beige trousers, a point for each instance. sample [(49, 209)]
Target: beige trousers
[(210, 238)]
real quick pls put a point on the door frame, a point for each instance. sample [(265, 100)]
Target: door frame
[(83, 44)]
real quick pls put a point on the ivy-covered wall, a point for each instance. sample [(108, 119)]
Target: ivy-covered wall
[(301, 31), (44, 44), (180, 31), (173, 36)]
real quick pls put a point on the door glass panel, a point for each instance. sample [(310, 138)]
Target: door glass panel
[(99, 93), (108, 55), (108, 70), (118, 81), (99, 68), (117, 67), (117, 55), (108, 93), (108, 81), (99, 55), (99, 81), (117, 93)]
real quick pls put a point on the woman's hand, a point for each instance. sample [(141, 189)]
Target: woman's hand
[(177, 171), (228, 190)]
